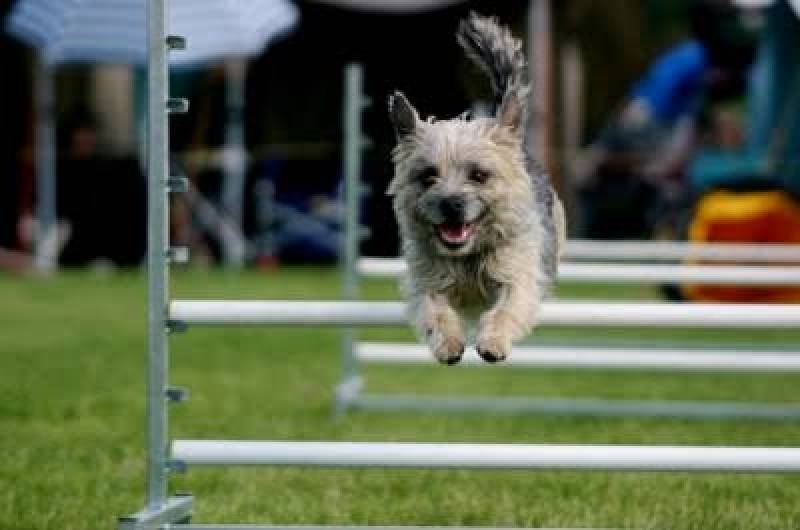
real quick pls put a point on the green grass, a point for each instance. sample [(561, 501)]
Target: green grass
[(72, 419)]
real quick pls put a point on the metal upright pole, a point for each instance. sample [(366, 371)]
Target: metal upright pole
[(234, 163), (540, 49), (157, 248), (46, 236), (160, 511), (354, 103)]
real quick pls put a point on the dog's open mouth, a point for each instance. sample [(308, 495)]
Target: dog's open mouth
[(455, 234)]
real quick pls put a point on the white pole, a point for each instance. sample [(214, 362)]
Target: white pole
[(679, 250), (625, 273), (234, 164), (660, 273), (46, 234), (600, 358), (590, 314), (488, 456)]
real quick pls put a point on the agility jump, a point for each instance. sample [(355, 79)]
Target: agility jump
[(162, 510)]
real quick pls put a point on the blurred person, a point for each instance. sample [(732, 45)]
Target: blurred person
[(102, 199), (633, 181)]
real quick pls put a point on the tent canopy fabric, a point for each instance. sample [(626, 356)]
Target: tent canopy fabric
[(755, 4), (68, 31), (392, 6)]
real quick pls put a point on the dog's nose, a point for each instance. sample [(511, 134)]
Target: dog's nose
[(453, 207)]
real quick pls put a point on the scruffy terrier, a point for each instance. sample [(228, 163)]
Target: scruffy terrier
[(480, 223)]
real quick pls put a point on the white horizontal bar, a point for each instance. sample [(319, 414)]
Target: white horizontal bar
[(628, 273), (487, 456), (681, 250), (592, 407), (593, 358), (593, 314), (660, 273)]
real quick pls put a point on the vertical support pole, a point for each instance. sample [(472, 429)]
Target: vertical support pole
[(540, 50), (46, 236), (353, 105), (234, 163), (157, 247)]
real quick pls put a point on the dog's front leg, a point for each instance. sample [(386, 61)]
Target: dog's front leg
[(510, 318), (438, 324)]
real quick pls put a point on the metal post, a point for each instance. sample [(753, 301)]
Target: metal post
[(234, 163), (540, 47), (157, 248), (46, 235), (160, 511), (353, 105)]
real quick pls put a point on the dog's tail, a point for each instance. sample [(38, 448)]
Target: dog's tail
[(493, 48)]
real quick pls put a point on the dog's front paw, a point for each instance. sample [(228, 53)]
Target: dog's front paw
[(493, 347), (447, 349)]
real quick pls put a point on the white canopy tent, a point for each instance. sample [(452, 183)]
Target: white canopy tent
[(115, 31)]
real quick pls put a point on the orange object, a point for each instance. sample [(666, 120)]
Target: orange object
[(745, 217)]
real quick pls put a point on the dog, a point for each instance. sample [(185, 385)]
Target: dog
[(480, 224)]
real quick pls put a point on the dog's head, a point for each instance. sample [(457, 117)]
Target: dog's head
[(460, 185)]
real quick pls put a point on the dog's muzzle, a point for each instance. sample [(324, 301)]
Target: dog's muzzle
[(455, 231)]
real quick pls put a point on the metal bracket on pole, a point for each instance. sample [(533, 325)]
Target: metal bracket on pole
[(176, 326), (177, 394), (176, 42), (176, 466), (178, 254), (177, 105), (177, 184)]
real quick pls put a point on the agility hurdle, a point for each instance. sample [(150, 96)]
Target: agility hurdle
[(611, 265), (163, 511), (353, 314)]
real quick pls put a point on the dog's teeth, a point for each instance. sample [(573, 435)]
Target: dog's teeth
[(455, 233)]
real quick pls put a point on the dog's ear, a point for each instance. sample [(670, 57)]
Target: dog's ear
[(404, 117), (511, 113)]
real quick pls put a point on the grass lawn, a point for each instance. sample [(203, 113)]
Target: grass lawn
[(72, 419)]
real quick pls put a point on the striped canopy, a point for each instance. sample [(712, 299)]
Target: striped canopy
[(116, 30), (755, 4)]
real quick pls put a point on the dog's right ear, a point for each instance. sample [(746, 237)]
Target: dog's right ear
[(404, 117)]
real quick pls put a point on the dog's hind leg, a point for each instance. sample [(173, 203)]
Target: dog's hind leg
[(439, 325)]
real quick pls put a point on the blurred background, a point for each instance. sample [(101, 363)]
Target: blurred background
[(644, 110)]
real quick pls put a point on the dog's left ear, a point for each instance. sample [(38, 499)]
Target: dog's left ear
[(404, 117), (511, 113)]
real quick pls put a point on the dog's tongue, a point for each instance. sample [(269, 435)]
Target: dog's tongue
[(455, 233)]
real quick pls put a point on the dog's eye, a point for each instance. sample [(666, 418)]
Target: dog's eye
[(479, 175), (427, 177)]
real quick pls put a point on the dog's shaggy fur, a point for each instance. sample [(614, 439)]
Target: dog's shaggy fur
[(480, 224)]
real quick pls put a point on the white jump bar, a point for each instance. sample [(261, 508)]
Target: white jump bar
[(599, 358), (487, 456), (680, 250), (628, 273), (362, 314)]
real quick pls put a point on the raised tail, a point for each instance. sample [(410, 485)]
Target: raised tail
[(493, 48)]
